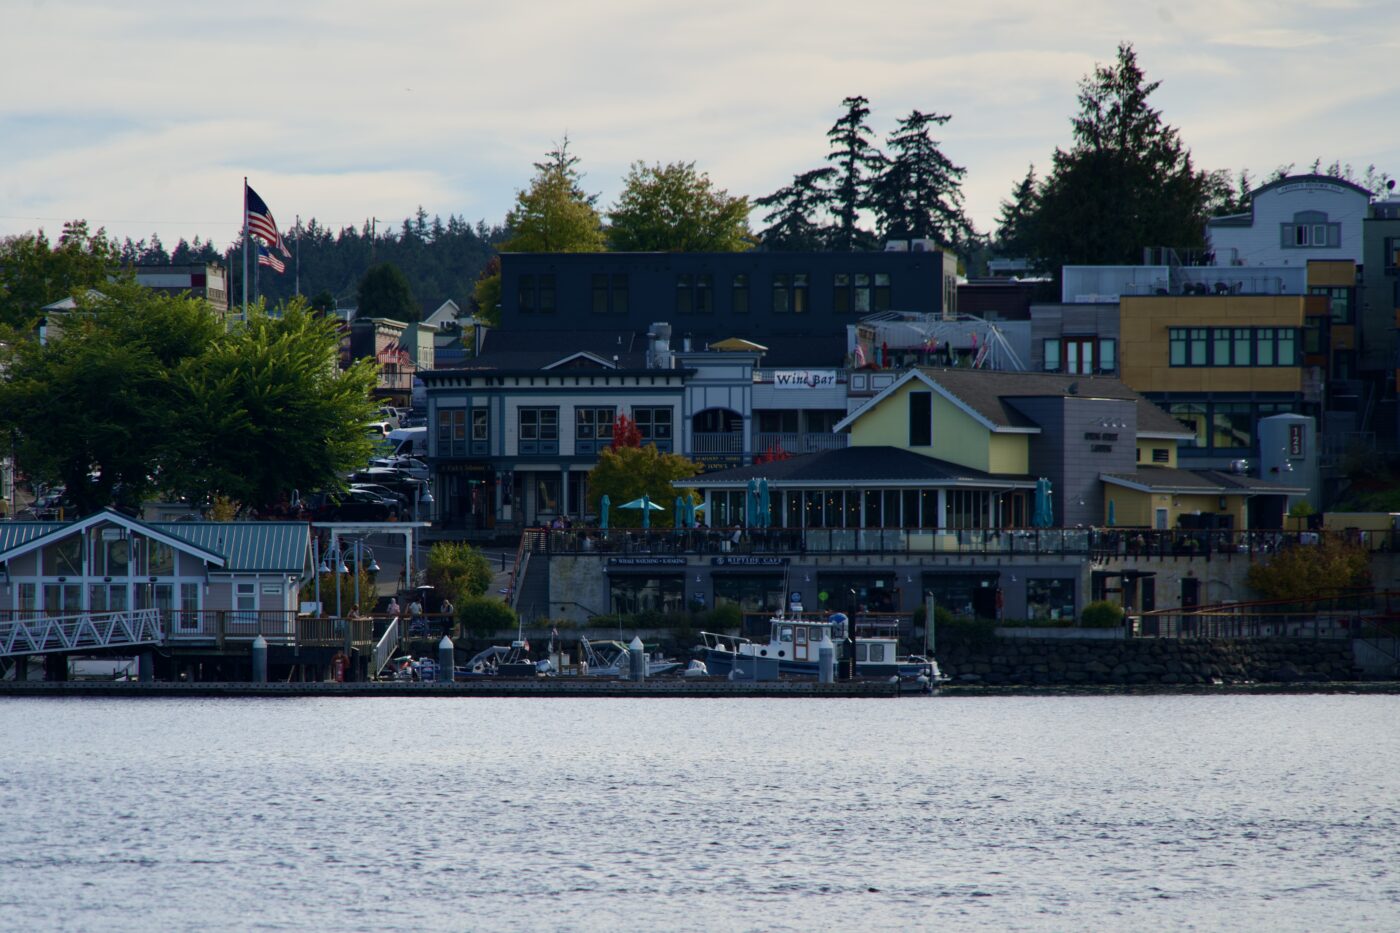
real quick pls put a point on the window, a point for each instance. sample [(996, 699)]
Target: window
[(968, 508), (1287, 346), (881, 301), (1176, 340), (480, 420), (633, 593), (1108, 354), (594, 423), (1052, 354), (1231, 346), (610, 293), (547, 493), (1311, 230), (1196, 347), (841, 293), (189, 606), (777, 421), (860, 294), (160, 559), (1243, 338), (245, 597), (739, 294), (704, 290), (654, 424), (1161, 455), (1222, 340), (790, 293), (1339, 303), (539, 424), (685, 298), (525, 293), (452, 432), (64, 558), (750, 592), (1192, 416), (1079, 355), (1392, 254), (1232, 425), (1264, 347), (546, 294), (920, 419), (1050, 598)]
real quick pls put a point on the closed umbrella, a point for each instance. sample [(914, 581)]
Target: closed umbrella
[(765, 519), (751, 504), (680, 515), (603, 511), (689, 511), (1044, 512), (1111, 521)]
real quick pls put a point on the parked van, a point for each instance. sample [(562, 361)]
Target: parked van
[(379, 429), (409, 442)]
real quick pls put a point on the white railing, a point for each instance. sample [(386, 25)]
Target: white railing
[(86, 630), (384, 649)]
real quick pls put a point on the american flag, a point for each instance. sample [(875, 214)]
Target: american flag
[(261, 224), (266, 258)]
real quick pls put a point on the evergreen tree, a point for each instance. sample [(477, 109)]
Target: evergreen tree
[(857, 161), (384, 292), (919, 193), (1015, 236), (1128, 182), (795, 213)]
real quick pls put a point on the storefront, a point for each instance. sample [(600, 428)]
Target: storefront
[(870, 591), (753, 584), (646, 584), (973, 595)]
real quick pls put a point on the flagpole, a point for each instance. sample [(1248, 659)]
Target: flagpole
[(245, 247)]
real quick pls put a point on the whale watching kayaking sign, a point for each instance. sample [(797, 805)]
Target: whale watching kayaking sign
[(804, 378)]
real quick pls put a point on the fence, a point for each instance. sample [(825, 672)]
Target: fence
[(1348, 614), (1098, 543)]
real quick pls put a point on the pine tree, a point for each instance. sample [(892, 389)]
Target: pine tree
[(1015, 236), (795, 216), (919, 193), (857, 161)]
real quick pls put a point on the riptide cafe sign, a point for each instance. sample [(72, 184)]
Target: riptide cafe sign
[(804, 378)]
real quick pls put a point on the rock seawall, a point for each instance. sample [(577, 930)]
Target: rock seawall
[(1147, 661)]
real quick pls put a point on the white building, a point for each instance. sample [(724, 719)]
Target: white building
[(1291, 221)]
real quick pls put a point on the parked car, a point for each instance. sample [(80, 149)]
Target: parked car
[(361, 505), (396, 499), (409, 466)]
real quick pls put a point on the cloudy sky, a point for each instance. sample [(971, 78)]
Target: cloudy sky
[(144, 115)]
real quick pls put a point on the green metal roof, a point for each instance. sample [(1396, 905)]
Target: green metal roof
[(247, 547)]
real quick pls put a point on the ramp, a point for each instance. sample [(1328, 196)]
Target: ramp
[(86, 631)]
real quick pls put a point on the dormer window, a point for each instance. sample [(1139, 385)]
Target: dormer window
[(1311, 230)]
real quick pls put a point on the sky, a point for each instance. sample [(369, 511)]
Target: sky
[(144, 116)]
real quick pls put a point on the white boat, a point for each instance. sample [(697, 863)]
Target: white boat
[(794, 640), (610, 659)]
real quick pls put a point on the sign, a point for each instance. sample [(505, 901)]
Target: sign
[(646, 561), (804, 378), (1297, 441), (748, 561)]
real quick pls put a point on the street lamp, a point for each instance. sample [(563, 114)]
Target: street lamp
[(422, 495)]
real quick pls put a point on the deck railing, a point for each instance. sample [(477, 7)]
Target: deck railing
[(1100, 544)]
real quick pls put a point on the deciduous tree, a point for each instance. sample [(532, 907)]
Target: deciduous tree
[(674, 208), (458, 571), (1302, 571), (384, 292), (34, 273), (627, 473)]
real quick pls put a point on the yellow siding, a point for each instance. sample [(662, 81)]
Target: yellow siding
[(1337, 273), (957, 437), (1145, 446), (1145, 348), (1009, 453), (1134, 508)]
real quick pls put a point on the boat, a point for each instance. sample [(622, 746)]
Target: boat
[(795, 640), (611, 659), (498, 661)]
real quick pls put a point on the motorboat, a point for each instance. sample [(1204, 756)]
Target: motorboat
[(498, 661), (795, 640), (611, 659)]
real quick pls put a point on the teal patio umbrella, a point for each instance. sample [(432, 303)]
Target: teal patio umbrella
[(680, 515), (603, 511), (646, 505), (1111, 521), (689, 511), (765, 519), (1044, 514), (751, 504)]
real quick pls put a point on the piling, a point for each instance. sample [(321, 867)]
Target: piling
[(259, 660), (146, 667), (636, 653), (446, 660), (826, 660)]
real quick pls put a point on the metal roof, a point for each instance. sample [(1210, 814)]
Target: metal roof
[(247, 547)]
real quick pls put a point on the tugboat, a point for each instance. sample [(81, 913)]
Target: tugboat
[(794, 640)]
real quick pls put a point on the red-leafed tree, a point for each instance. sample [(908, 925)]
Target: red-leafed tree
[(625, 433), (774, 453)]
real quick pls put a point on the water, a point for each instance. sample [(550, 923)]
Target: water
[(1105, 813)]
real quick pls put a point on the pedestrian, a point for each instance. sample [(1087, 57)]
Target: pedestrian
[(448, 609), (393, 607)]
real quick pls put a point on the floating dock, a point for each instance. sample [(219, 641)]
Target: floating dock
[(483, 687)]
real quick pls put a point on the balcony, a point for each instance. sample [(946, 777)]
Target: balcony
[(794, 443)]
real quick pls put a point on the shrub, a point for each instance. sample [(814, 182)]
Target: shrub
[(481, 615), (458, 571), (723, 618), (1101, 614)]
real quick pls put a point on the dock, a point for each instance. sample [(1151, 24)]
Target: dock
[(483, 687)]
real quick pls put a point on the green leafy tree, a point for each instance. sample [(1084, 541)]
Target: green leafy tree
[(795, 213), (484, 616), (1304, 571), (1127, 183), (385, 292), (265, 410), (918, 195), (674, 208), (555, 214), (857, 161), (627, 473), (1015, 224), (458, 571), (95, 408), (34, 273), (323, 302), (486, 294)]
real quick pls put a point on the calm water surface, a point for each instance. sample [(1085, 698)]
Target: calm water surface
[(1103, 813)]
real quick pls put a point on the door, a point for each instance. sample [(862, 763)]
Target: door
[(1159, 519), (799, 647), (1190, 593)]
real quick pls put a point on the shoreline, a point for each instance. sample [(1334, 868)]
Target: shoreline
[(681, 689)]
